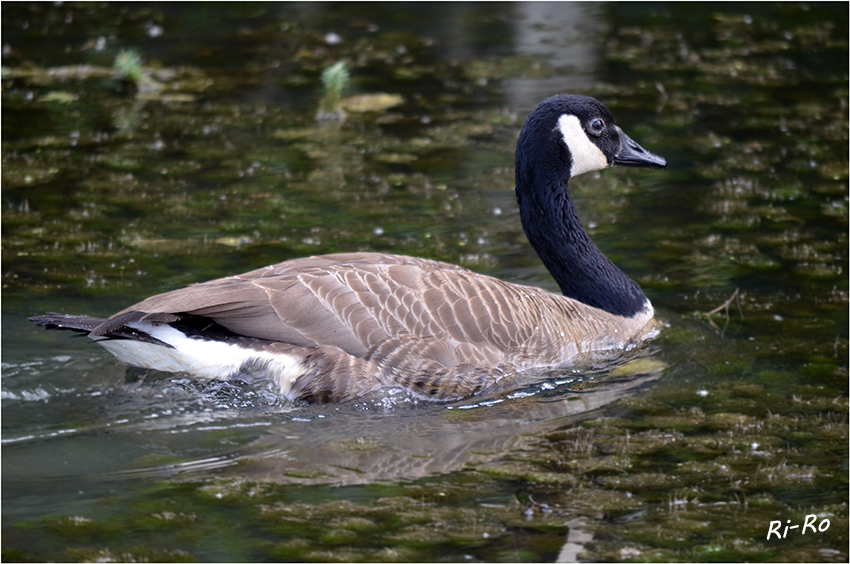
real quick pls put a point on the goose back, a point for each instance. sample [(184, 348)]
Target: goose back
[(364, 303)]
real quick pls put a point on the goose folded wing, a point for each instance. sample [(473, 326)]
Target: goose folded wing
[(276, 308)]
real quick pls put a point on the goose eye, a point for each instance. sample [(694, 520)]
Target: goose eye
[(597, 126)]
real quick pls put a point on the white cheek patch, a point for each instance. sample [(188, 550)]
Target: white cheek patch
[(587, 156)]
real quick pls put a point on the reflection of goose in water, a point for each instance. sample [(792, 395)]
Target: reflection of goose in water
[(375, 446), (333, 327)]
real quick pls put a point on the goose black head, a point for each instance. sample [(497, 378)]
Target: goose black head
[(576, 134)]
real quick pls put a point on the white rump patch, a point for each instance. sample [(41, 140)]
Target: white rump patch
[(202, 358), (587, 156)]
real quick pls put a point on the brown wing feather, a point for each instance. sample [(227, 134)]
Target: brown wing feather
[(352, 301)]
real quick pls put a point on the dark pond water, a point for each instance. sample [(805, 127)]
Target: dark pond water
[(212, 163)]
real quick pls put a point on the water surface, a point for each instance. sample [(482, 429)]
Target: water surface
[(214, 165)]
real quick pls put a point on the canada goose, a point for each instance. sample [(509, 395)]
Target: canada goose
[(332, 327)]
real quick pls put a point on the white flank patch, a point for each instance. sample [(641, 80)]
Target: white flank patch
[(587, 156), (201, 358)]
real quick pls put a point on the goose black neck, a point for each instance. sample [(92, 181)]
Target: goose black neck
[(552, 226)]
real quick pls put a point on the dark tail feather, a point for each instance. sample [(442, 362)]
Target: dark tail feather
[(79, 323), (94, 326)]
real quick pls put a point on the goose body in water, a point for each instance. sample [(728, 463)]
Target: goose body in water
[(333, 327)]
